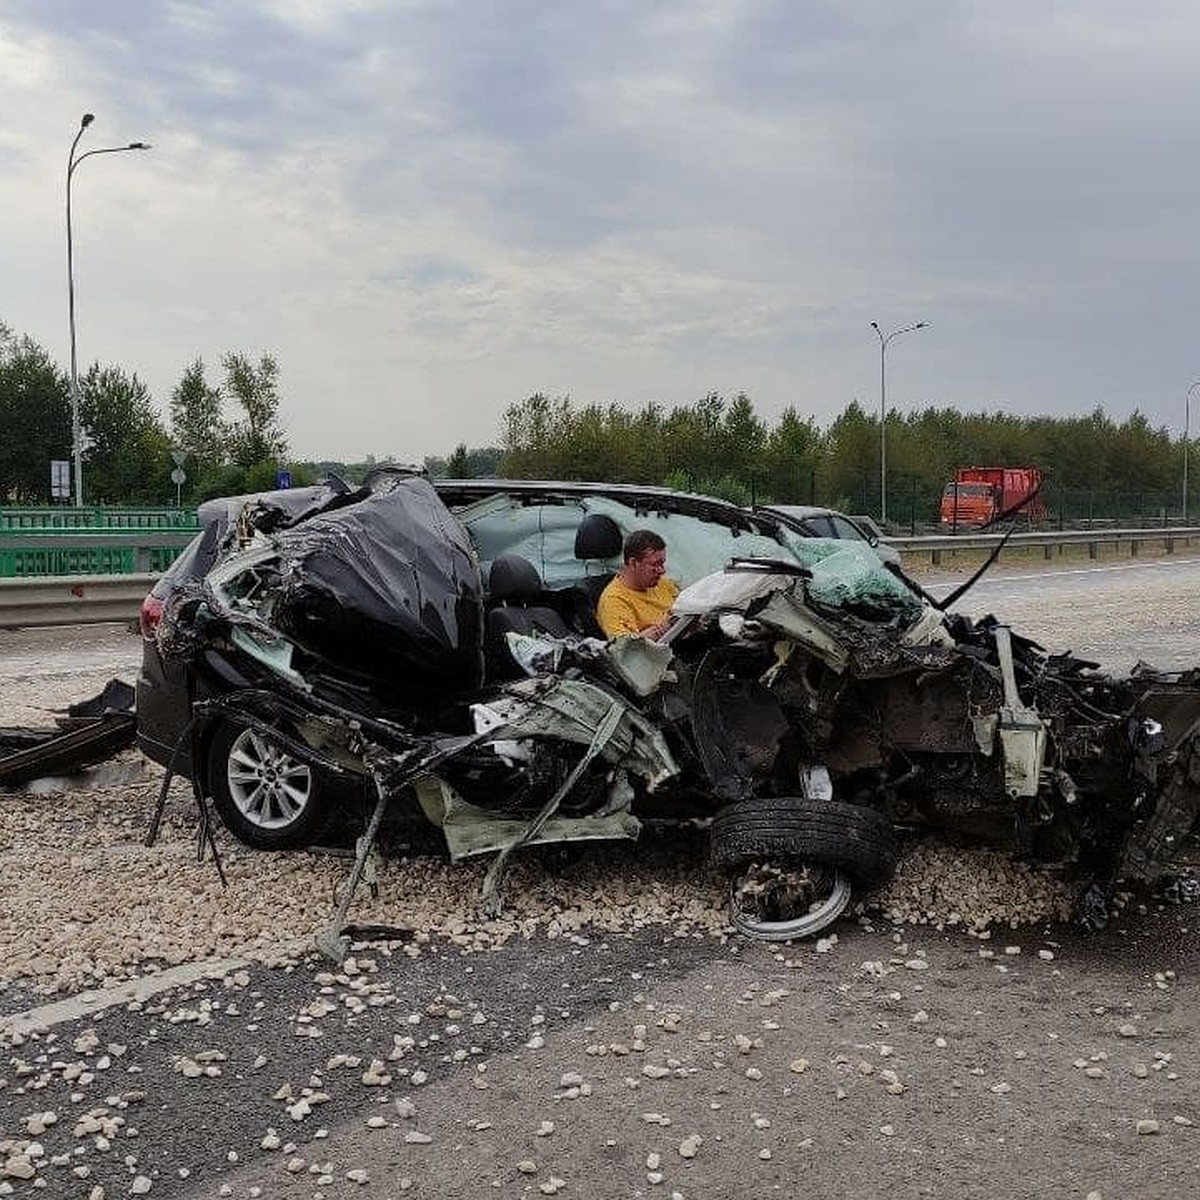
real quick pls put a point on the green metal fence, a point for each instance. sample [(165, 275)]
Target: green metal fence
[(91, 541), (48, 519), (85, 560)]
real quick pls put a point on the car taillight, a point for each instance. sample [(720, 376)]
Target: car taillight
[(150, 615)]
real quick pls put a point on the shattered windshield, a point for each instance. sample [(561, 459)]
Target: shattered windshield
[(851, 575)]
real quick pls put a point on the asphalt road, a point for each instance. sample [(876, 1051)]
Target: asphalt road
[(1116, 613), (906, 1062)]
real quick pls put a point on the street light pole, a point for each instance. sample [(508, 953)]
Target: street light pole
[(72, 163), (883, 345), (1187, 429)]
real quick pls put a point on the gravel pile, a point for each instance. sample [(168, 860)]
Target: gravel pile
[(87, 902)]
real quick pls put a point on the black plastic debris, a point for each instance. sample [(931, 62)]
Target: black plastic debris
[(386, 587), (91, 731)]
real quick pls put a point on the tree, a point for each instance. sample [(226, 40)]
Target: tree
[(459, 466), (197, 426), (35, 415), (794, 454), (257, 438), (742, 442), (853, 460), (129, 458)]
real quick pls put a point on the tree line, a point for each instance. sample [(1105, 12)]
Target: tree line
[(1093, 466), (230, 435)]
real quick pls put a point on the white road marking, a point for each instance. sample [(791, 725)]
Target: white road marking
[(1016, 579), (88, 1003)]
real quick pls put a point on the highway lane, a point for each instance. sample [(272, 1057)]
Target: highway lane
[(1116, 613)]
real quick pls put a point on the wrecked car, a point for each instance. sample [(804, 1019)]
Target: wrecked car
[(435, 647)]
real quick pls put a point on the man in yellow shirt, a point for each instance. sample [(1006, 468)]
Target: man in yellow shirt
[(639, 598)]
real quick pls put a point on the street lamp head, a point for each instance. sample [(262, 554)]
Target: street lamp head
[(921, 325), (875, 326), (138, 146), (87, 119)]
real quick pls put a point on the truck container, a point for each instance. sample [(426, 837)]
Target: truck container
[(976, 496)]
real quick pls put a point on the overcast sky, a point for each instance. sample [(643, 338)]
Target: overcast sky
[(427, 209)]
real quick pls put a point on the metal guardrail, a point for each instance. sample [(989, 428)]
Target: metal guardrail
[(87, 599), (72, 599), (938, 544)]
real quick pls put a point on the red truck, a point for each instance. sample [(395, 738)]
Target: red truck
[(978, 495)]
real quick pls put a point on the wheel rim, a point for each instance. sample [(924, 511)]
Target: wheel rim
[(269, 787), (776, 904)]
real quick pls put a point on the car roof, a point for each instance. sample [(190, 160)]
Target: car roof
[(801, 510), (644, 497)]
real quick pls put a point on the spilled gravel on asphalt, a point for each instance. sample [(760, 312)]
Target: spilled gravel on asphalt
[(87, 902)]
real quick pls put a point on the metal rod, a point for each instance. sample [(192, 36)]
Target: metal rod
[(72, 163), (1187, 423), (883, 345)]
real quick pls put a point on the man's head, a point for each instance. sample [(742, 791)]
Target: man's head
[(645, 555)]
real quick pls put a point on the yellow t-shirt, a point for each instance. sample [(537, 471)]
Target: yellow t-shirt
[(622, 609)]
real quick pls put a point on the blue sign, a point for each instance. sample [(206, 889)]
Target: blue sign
[(283, 479)]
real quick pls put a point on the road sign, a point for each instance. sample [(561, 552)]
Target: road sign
[(178, 475), (60, 479), (283, 479)]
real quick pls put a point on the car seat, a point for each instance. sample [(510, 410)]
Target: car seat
[(517, 604), (598, 544)]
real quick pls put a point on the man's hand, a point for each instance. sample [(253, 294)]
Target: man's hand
[(655, 631)]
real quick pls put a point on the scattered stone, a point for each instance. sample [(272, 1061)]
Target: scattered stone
[(1147, 1126)]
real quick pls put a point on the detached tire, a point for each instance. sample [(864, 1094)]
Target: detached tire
[(268, 798), (853, 839)]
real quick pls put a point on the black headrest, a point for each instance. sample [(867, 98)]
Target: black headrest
[(598, 536), (512, 577)]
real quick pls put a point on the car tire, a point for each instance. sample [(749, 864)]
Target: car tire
[(267, 797), (849, 837)]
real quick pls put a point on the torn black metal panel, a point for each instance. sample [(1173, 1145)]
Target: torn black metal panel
[(737, 722), (71, 751), (388, 586), (116, 696)]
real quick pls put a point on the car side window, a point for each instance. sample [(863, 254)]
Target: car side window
[(847, 530)]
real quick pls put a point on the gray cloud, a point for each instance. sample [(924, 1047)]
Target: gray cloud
[(427, 210)]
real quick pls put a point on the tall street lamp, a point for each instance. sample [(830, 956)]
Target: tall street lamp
[(1187, 430), (883, 345), (72, 163)]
